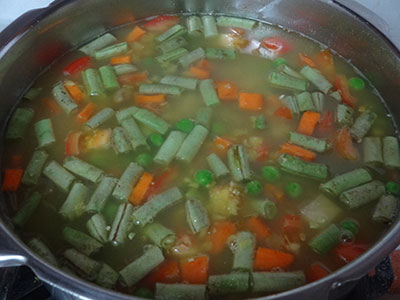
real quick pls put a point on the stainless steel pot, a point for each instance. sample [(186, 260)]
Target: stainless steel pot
[(39, 37)]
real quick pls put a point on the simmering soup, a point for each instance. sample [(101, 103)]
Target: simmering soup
[(187, 157)]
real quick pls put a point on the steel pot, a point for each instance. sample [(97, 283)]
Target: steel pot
[(39, 37)]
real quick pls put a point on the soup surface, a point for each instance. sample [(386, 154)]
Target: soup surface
[(187, 157)]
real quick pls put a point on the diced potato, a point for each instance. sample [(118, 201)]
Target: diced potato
[(224, 200), (320, 212)]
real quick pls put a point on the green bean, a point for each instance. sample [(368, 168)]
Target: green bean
[(111, 51), (204, 116), (43, 251), (83, 169), (233, 283), (97, 227), (35, 167), (242, 245), (180, 291), (372, 149), (287, 82), (173, 32), (391, 156), (100, 118), (126, 113), (27, 210), (362, 125), (75, 204), (134, 134), (171, 44), (119, 141), (258, 122), (285, 69), (296, 166), (317, 79), (194, 26), (323, 242), (93, 84), (209, 26), (151, 120), (344, 115), (122, 224), (182, 82), (160, 235), (101, 42), (63, 99), (309, 142), (208, 93), (192, 144), (238, 163), (336, 95), (265, 208), (107, 276), (140, 267), (101, 194), (214, 53), (196, 215), (319, 101), (292, 103), (44, 133), (235, 22), (217, 165), (61, 177), (33, 93), (386, 210), (19, 123), (190, 57), (152, 88), (147, 212), (81, 241), (172, 55), (123, 69), (88, 266), (305, 102), (126, 182), (168, 150), (275, 282), (109, 78), (345, 181), (362, 194)]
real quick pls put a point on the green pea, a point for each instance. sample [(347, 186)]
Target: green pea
[(279, 61), (144, 293), (185, 125), (144, 159), (156, 140), (271, 173), (392, 188), (254, 187), (204, 177), (217, 128), (350, 225), (293, 190), (356, 83), (259, 122)]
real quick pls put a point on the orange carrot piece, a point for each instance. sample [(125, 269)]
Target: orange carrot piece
[(146, 99), (259, 229), (74, 91), (298, 151), (222, 145), (119, 60), (199, 73), (72, 143), (344, 144), (305, 60), (135, 34), (283, 112), (204, 64), (86, 112), (268, 259), (308, 122), (167, 272), (325, 63), (227, 90), (12, 179), (274, 191), (220, 232), (249, 101), (132, 78), (195, 270), (52, 105), (316, 272), (141, 188)]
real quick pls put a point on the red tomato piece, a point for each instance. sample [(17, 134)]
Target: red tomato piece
[(276, 44), (77, 65), (349, 252)]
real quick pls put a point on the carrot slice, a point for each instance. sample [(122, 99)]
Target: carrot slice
[(195, 270), (146, 99), (316, 272), (86, 112), (298, 151), (308, 122), (72, 143), (274, 191), (199, 73), (167, 272), (52, 105), (220, 232), (135, 34), (119, 60), (132, 78), (204, 64), (222, 145), (305, 60), (227, 90), (141, 189), (350, 252), (74, 91), (325, 64), (12, 179), (250, 101), (283, 112), (268, 259), (77, 65), (343, 88), (344, 144), (259, 229)]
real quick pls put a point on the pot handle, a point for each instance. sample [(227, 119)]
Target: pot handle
[(9, 256)]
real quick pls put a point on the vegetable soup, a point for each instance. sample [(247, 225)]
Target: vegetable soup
[(187, 157)]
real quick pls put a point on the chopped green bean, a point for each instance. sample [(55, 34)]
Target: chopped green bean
[(285, 69), (126, 113), (83, 169), (292, 103), (309, 142), (109, 78), (325, 240), (100, 118), (122, 224), (173, 32), (120, 142), (362, 194), (350, 225), (43, 251), (305, 102), (238, 163), (217, 165), (191, 57), (287, 82), (279, 61), (362, 125), (134, 134), (88, 266), (196, 215), (149, 119), (19, 123), (209, 26), (319, 101), (62, 97), (75, 204), (123, 69), (180, 291), (372, 149), (391, 152), (172, 55), (171, 44), (344, 115), (194, 26), (265, 208), (296, 166), (235, 22), (214, 53), (45, 133), (152, 88), (242, 245), (170, 147), (97, 227), (100, 42), (275, 282), (208, 93), (33, 93), (60, 176), (100, 196), (107, 276), (317, 79), (386, 210), (35, 167), (93, 84), (160, 235), (81, 241), (27, 210), (126, 182), (182, 82), (192, 144), (111, 51), (232, 283)]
